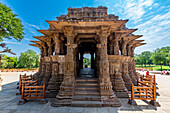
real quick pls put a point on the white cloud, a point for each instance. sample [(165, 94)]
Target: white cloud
[(31, 25), (150, 17), (13, 43), (135, 9), (27, 39)]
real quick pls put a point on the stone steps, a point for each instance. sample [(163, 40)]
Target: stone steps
[(86, 98), (86, 93), (84, 88), (86, 84), (86, 104), (87, 80)]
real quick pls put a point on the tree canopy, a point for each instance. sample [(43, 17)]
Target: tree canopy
[(26, 59), (10, 25), (159, 56)]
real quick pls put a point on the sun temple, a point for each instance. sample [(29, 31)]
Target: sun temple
[(106, 39)]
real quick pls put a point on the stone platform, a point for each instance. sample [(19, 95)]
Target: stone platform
[(9, 99)]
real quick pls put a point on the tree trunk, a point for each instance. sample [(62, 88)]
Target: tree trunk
[(161, 66)]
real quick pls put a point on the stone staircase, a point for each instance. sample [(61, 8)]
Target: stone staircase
[(86, 93)]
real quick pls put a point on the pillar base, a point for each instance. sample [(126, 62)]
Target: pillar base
[(122, 94), (110, 101), (51, 94), (154, 103), (59, 103), (132, 102)]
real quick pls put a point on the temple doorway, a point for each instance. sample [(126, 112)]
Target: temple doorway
[(87, 60), (87, 71)]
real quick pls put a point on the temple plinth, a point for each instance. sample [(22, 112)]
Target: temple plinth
[(106, 39)]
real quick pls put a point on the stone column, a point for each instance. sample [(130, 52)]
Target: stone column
[(92, 60), (129, 50), (124, 50), (62, 48), (48, 70), (116, 47), (125, 74), (131, 74), (64, 97), (43, 64), (111, 45), (116, 75), (53, 86), (37, 74), (106, 91), (42, 72), (50, 52), (57, 43)]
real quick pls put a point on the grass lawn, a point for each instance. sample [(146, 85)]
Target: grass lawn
[(156, 67)]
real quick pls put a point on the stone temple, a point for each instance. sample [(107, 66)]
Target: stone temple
[(106, 39)]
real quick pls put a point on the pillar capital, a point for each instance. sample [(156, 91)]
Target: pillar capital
[(104, 31), (69, 31), (56, 37)]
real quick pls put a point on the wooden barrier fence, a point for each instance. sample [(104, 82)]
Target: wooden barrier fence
[(33, 92), (25, 79), (146, 90)]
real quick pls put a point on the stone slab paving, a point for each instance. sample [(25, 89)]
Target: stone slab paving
[(9, 99)]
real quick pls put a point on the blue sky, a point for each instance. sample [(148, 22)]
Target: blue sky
[(151, 17)]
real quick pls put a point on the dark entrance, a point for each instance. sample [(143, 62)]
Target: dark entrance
[(87, 60)]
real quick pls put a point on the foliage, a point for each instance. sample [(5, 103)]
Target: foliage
[(159, 56), (8, 62), (10, 25), (86, 61), (27, 59)]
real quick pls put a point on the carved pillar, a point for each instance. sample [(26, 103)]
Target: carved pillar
[(131, 74), (98, 46), (67, 86), (106, 91), (125, 74), (132, 51), (133, 65), (42, 72), (53, 86), (37, 74), (116, 76), (124, 50), (44, 49), (116, 47), (62, 48), (57, 43), (92, 60), (48, 70), (48, 41), (129, 50), (111, 45)]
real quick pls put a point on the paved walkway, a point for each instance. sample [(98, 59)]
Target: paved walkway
[(9, 99)]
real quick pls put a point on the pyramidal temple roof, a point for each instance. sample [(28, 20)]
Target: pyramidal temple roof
[(88, 20), (88, 13)]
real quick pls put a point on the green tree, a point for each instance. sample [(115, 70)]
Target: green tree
[(10, 25), (168, 59), (9, 62), (146, 57), (28, 59), (158, 57), (138, 59)]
